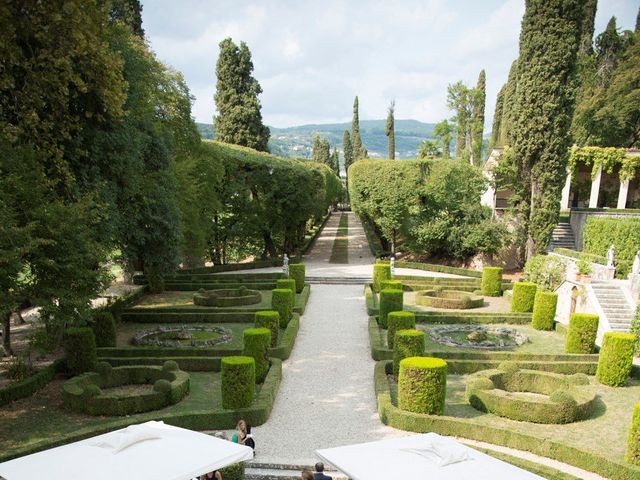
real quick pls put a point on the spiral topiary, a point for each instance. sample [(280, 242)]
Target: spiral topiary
[(616, 358), (407, 343), (381, 272), (544, 310), (256, 345), (390, 301), (491, 285), (282, 302), (399, 321), (297, 273), (238, 381), (422, 385), (582, 332), (269, 319), (524, 294)]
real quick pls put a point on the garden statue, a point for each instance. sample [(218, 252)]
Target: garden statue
[(392, 265), (610, 254), (636, 263), (285, 265)]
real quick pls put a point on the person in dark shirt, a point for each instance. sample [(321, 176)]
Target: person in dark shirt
[(319, 475)]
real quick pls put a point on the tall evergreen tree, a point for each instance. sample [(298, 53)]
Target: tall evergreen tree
[(347, 151), (497, 118), (335, 161), (460, 100), (130, 13), (609, 47), (442, 133), (477, 121), (588, 27), (549, 42), (389, 131), (356, 141), (637, 29), (239, 120), (508, 107)]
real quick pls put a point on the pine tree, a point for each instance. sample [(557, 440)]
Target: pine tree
[(347, 151), (356, 141), (549, 42), (389, 131), (239, 120), (477, 121), (497, 119), (442, 133)]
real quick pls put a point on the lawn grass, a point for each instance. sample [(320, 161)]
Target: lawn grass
[(491, 305), (340, 250), (178, 299)]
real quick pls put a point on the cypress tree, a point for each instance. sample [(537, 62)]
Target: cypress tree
[(356, 141), (347, 150), (549, 42), (335, 161), (239, 120), (637, 30), (477, 121), (508, 106), (389, 131), (497, 119), (588, 27), (609, 47)]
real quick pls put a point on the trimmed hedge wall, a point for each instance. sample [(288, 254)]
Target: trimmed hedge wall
[(185, 316), (399, 321), (32, 384), (451, 299), (104, 329), (256, 345), (616, 358), (80, 349), (282, 301), (407, 343), (381, 273), (227, 297), (623, 233), (581, 336), (390, 301), (524, 294), (633, 441), (238, 382), (491, 281), (269, 319), (422, 385), (289, 283), (428, 267), (391, 284), (297, 273), (544, 310)]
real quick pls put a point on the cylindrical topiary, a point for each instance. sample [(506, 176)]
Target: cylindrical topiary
[(390, 301), (633, 442), (289, 283), (491, 281), (104, 329), (282, 302), (392, 284), (80, 349), (256, 345), (269, 319), (407, 343), (616, 358), (581, 335), (297, 273), (399, 321), (524, 294), (381, 272), (544, 310), (238, 381), (422, 385)]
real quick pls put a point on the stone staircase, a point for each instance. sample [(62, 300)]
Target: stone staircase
[(562, 237), (614, 304), (269, 471)]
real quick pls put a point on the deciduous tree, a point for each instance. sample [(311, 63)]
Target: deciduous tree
[(389, 131)]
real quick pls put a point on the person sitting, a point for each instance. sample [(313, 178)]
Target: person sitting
[(319, 474), (248, 439), (240, 434), (306, 475)]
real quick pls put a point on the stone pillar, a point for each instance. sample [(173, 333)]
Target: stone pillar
[(564, 203), (595, 189), (622, 194)]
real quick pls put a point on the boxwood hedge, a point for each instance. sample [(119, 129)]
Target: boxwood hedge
[(399, 321), (422, 385), (524, 294), (616, 358), (104, 328), (269, 319), (238, 381), (581, 336), (633, 441), (256, 345), (297, 273), (544, 310), (390, 301), (80, 349), (407, 343), (491, 281), (381, 272), (282, 301), (392, 284), (289, 283)]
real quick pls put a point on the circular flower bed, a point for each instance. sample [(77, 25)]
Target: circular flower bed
[(105, 392), (531, 395), (227, 297), (183, 336), (451, 299), (477, 336)]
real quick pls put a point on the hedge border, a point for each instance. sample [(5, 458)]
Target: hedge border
[(451, 426), (429, 267), (32, 384), (203, 419)]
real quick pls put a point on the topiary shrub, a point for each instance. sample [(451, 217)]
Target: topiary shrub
[(616, 358), (407, 343), (422, 385), (238, 381), (399, 321), (282, 302), (544, 310), (256, 345), (104, 329), (80, 349), (289, 283), (297, 273), (162, 386), (392, 284), (524, 294), (269, 319), (635, 329), (491, 281), (390, 301), (170, 366), (633, 442), (381, 272), (581, 335)]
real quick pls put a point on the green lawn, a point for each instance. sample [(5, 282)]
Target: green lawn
[(175, 299), (340, 249)]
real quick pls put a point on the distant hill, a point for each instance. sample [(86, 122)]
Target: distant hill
[(296, 141)]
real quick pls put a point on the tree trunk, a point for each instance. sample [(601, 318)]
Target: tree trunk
[(531, 246), (6, 333), (269, 246), (393, 242)]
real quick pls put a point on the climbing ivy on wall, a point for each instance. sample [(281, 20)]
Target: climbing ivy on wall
[(607, 157)]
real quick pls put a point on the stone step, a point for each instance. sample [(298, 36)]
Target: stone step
[(257, 471)]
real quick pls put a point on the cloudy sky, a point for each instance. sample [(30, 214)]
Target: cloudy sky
[(313, 57)]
